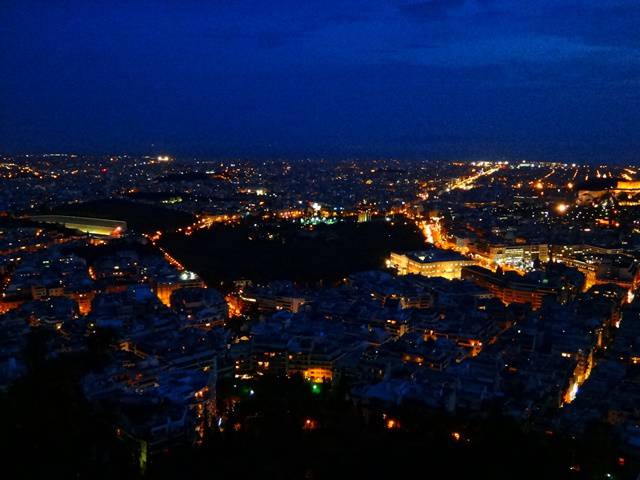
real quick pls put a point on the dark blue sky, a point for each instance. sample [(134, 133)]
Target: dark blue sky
[(538, 79)]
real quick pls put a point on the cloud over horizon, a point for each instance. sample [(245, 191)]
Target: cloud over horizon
[(544, 79)]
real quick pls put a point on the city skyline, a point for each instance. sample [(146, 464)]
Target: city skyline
[(320, 239), (247, 317)]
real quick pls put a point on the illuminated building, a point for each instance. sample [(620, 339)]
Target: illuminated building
[(418, 300), (235, 305), (92, 226), (8, 305), (509, 288), (268, 303), (563, 252), (276, 296), (318, 374), (166, 286), (515, 255), (621, 270), (395, 328), (430, 263), (626, 191), (315, 360), (364, 216), (83, 299), (39, 292)]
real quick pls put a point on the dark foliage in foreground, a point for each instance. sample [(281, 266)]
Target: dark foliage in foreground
[(50, 432)]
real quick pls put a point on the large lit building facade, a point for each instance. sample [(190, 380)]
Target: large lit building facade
[(430, 263), (93, 226)]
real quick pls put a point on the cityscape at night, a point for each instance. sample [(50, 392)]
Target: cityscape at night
[(320, 240)]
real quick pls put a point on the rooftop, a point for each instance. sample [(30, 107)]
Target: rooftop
[(435, 255)]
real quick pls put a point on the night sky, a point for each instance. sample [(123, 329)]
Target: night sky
[(536, 79)]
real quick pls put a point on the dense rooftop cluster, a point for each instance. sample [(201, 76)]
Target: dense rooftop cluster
[(521, 297)]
